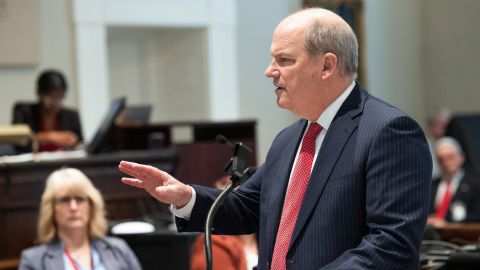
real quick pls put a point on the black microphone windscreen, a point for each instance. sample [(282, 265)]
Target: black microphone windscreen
[(221, 139)]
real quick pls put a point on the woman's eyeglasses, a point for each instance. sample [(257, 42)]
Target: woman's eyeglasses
[(65, 200)]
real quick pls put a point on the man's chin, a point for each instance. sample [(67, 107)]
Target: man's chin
[(281, 103)]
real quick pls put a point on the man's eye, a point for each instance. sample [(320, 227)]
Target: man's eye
[(285, 61)]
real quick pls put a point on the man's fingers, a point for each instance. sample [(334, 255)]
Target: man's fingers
[(161, 185), (154, 173), (132, 182), (143, 172), (126, 167), (133, 169)]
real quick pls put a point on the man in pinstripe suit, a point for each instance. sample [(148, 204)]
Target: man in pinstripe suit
[(366, 200)]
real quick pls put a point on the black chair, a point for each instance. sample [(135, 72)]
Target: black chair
[(161, 250), (466, 130)]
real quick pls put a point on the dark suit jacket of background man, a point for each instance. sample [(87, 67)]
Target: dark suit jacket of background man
[(366, 203), (29, 113), (467, 194)]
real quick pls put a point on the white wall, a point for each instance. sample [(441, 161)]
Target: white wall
[(56, 51), (452, 58), (423, 55), (257, 96), (92, 20), (162, 67), (394, 54)]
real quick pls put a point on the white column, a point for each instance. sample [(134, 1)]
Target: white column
[(91, 60), (222, 61)]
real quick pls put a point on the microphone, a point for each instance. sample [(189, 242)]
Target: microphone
[(238, 171), (238, 163), (222, 139)]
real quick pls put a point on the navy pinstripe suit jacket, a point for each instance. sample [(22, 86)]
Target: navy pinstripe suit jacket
[(366, 203)]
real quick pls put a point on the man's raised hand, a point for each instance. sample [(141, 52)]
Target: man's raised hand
[(161, 185)]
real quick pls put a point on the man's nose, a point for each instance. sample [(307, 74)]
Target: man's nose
[(271, 71)]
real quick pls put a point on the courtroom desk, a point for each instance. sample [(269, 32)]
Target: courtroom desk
[(21, 186), (461, 233), (9, 264)]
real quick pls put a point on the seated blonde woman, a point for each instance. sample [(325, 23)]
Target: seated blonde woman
[(72, 227)]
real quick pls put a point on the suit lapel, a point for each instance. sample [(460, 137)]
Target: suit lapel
[(283, 168), (54, 256), (335, 140), (105, 253)]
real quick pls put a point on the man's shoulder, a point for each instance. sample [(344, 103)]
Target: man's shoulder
[(377, 114), (370, 110), (382, 109)]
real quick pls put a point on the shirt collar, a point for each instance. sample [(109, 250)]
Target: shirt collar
[(327, 116), (456, 178)]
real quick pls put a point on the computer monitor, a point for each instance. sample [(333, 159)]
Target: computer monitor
[(465, 128), (101, 136), (137, 115)]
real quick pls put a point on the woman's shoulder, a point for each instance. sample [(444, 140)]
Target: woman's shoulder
[(33, 251), (36, 252), (112, 242)]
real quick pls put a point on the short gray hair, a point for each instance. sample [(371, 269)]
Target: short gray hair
[(323, 37), (449, 141)]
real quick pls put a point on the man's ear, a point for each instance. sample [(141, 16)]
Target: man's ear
[(329, 65)]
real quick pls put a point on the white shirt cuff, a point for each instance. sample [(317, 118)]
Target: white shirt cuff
[(186, 211)]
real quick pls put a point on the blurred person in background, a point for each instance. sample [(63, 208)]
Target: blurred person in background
[(55, 126), (455, 196), (71, 229)]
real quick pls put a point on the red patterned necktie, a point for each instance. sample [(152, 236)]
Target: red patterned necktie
[(295, 193), (442, 209)]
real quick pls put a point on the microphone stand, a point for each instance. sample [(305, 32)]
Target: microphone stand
[(237, 170)]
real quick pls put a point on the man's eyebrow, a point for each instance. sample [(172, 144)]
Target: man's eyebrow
[(281, 53)]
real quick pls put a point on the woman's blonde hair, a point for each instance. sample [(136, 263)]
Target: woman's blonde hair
[(75, 182)]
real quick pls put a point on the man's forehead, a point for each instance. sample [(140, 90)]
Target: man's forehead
[(447, 148), (286, 44), (287, 36)]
